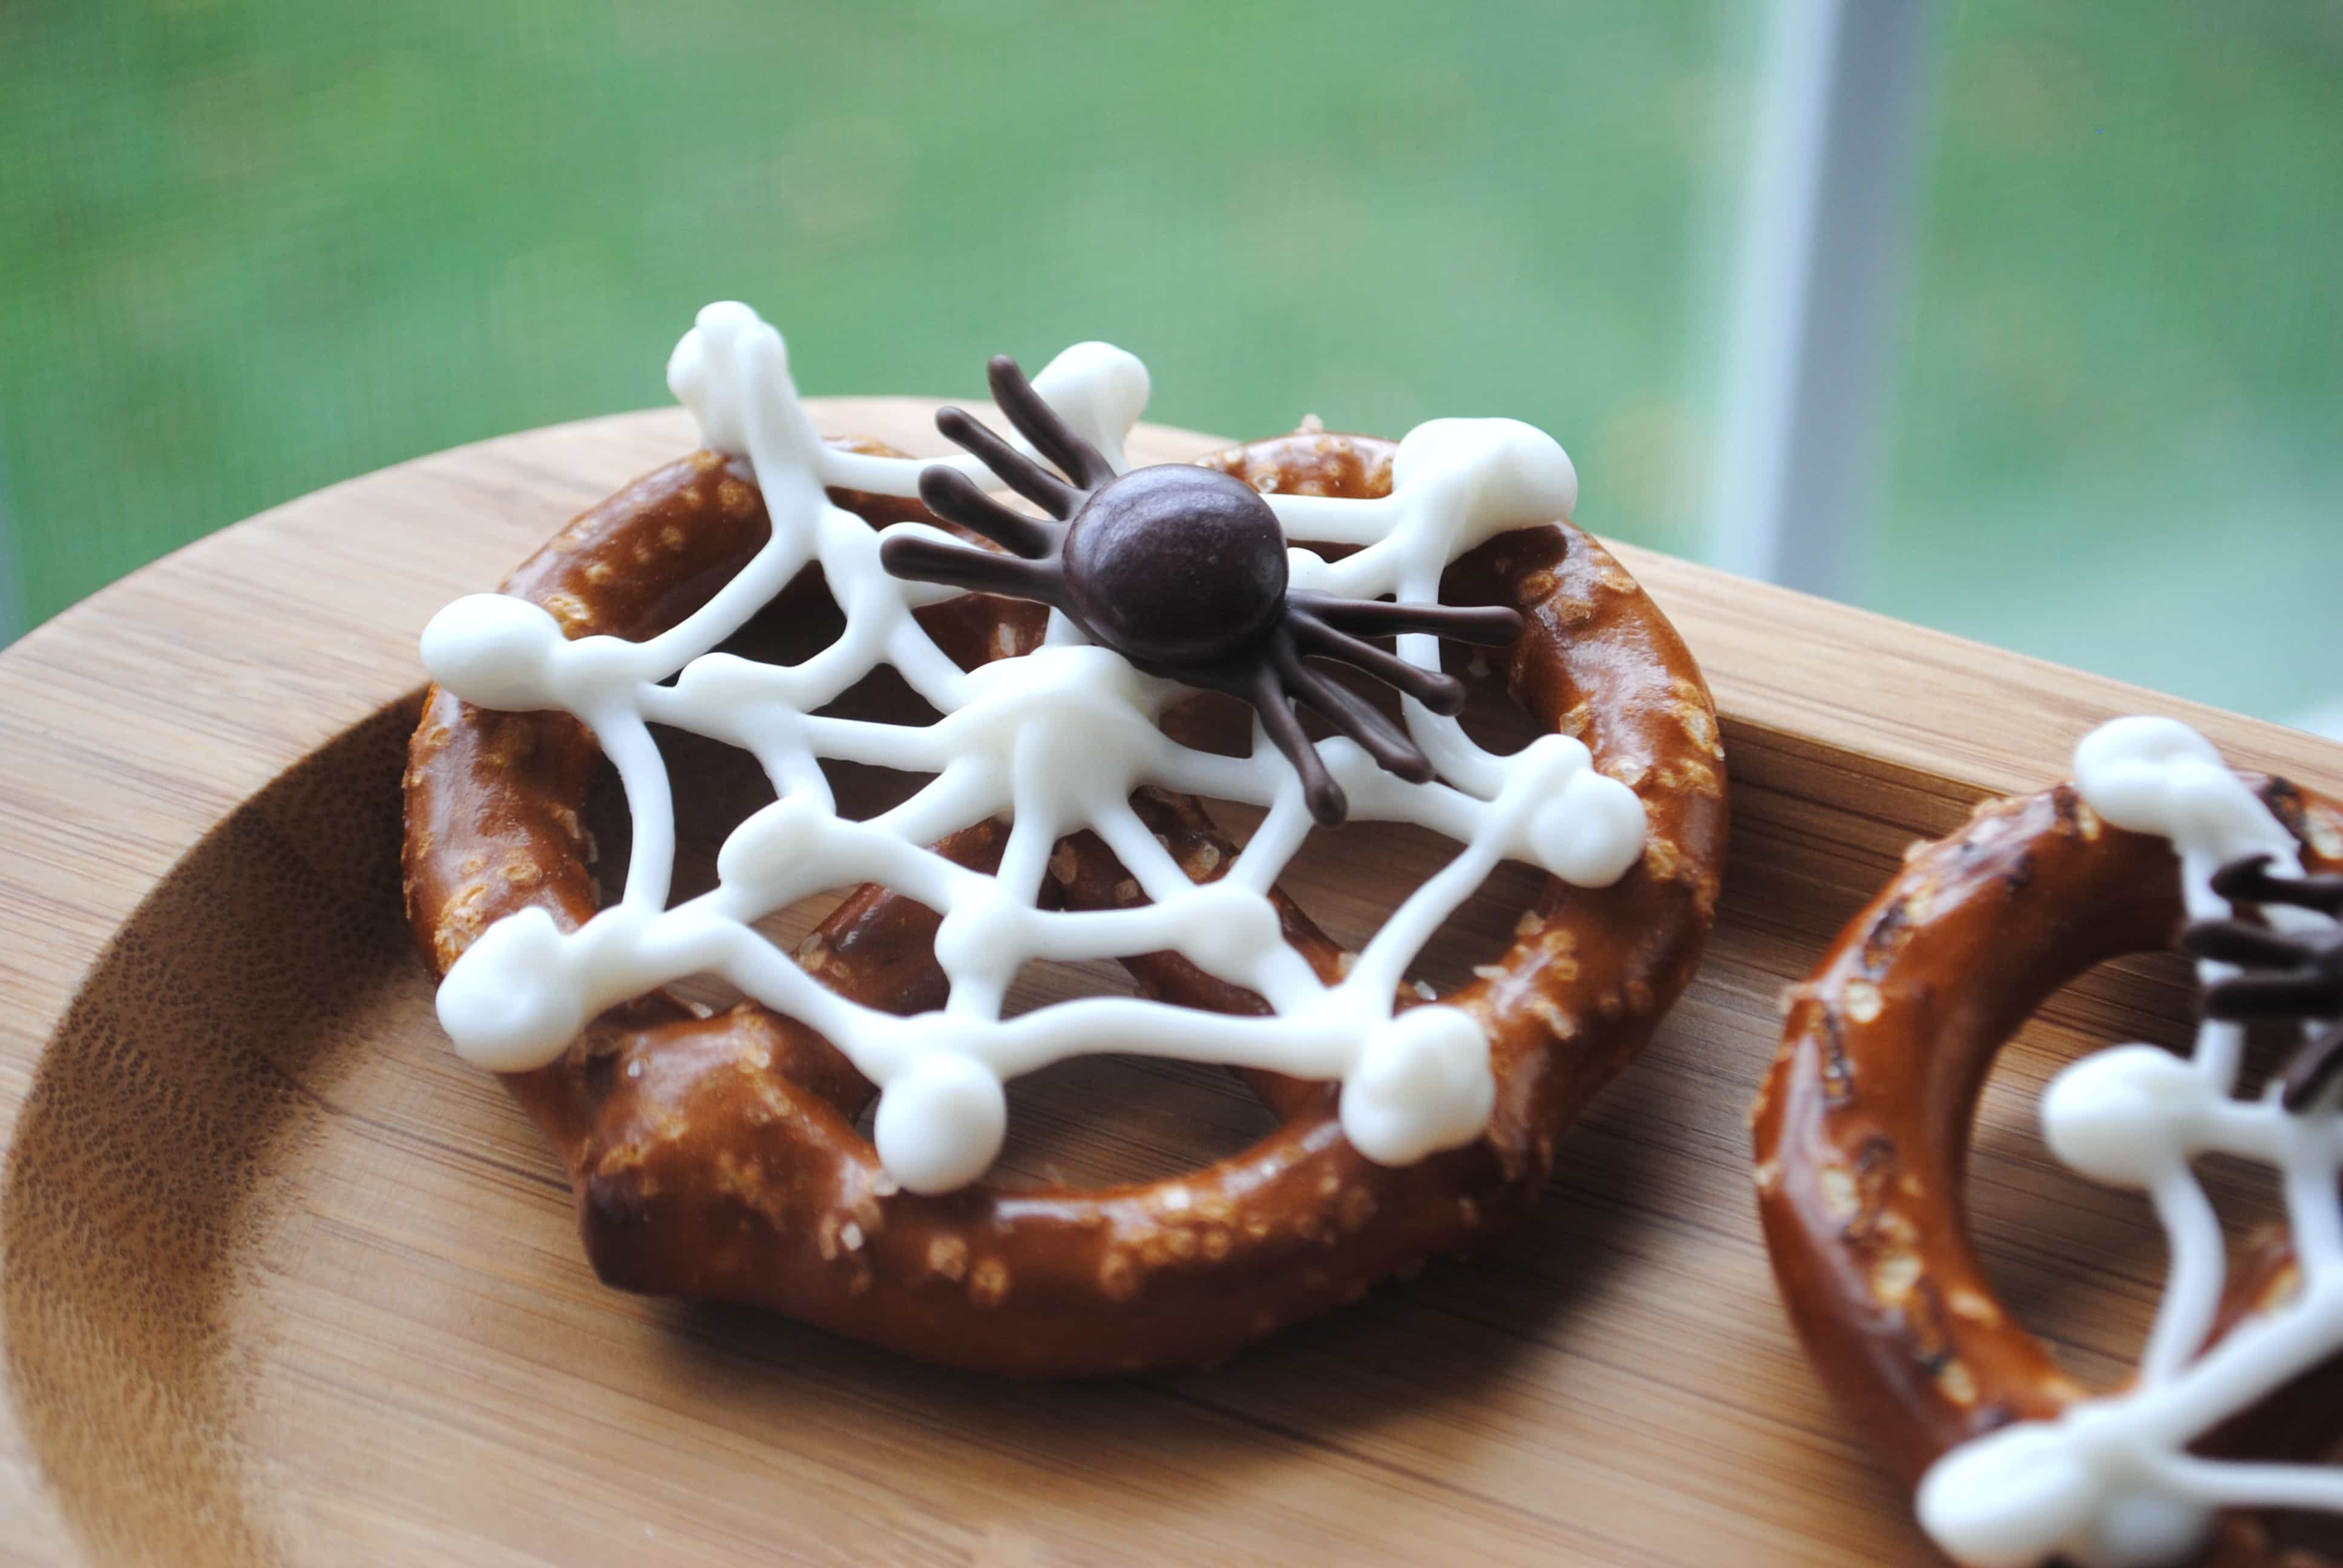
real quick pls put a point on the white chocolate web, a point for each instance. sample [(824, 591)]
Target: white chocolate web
[(1056, 741), (2112, 1482)]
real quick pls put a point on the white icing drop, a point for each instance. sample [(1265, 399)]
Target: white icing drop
[(2111, 1482), (1056, 740)]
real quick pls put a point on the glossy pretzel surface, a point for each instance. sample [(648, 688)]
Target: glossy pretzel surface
[(718, 1157), (1863, 1130)]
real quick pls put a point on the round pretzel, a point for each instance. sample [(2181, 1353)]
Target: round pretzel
[(718, 1157), (1863, 1129)]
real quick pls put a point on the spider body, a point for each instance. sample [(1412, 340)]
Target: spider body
[(1175, 566), (1182, 570)]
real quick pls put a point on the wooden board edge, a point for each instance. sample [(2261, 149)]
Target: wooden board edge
[(1822, 701)]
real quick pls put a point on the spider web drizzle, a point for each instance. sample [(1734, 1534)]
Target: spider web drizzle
[(2112, 1479), (1056, 740)]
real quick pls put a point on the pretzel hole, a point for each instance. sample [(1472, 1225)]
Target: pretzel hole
[(1114, 1120), (2082, 1266), (2320, 1533), (1107, 1119), (1405, 854), (718, 785), (1492, 720), (1350, 879)]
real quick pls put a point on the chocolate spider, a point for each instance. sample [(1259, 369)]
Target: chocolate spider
[(2290, 976), (1182, 570)]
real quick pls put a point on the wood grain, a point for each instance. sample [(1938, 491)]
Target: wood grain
[(283, 1280)]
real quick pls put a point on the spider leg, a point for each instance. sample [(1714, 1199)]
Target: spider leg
[(1485, 626), (964, 566), (1039, 423), (1327, 802), (2241, 881), (2236, 942), (1017, 471), (2274, 996), (2322, 893), (955, 497), (2248, 881), (1353, 714), (2313, 1067), (1440, 692)]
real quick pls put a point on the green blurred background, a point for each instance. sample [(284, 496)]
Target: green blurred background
[(253, 246)]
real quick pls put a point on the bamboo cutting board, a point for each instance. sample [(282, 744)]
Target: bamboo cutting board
[(283, 1280)]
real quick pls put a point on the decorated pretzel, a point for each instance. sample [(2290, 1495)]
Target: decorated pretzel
[(1862, 1132), (718, 1157)]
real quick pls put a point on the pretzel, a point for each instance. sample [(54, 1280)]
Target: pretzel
[(718, 1157), (1862, 1137)]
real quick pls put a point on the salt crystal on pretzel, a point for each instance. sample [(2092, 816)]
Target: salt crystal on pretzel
[(1060, 739), (1859, 1130)]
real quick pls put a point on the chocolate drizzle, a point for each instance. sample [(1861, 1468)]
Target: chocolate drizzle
[(1182, 570), (2288, 977)]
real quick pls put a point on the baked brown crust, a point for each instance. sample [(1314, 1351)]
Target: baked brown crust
[(718, 1158), (1862, 1130)]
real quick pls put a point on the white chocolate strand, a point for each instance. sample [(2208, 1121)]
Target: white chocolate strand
[(2111, 1482), (1057, 741)]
